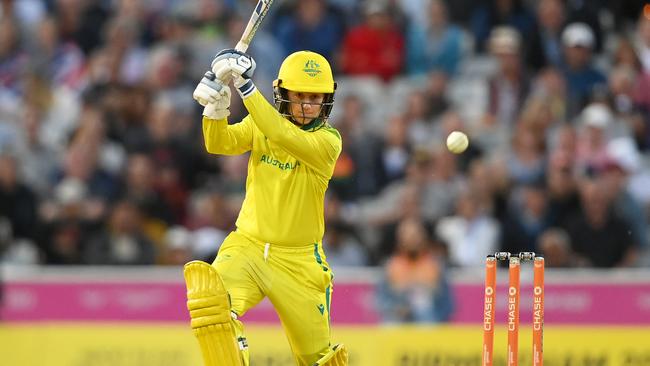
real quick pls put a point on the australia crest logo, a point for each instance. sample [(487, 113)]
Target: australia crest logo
[(312, 68)]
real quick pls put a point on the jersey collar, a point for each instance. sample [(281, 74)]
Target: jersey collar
[(312, 125)]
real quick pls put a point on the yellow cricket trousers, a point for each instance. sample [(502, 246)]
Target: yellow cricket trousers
[(297, 281)]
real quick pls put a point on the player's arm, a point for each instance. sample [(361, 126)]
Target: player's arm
[(317, 150), (219, 136), (225, 139)]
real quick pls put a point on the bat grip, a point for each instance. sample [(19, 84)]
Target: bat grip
[(211, 83), (210, 75), (241, 46)]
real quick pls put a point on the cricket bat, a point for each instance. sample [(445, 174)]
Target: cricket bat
[(261, 9)]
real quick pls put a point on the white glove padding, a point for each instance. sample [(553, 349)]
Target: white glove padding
[(212, 111), (219, 109), (211, 90), (232, 63)]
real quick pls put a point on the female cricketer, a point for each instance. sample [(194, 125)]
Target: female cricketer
[(276, 249)]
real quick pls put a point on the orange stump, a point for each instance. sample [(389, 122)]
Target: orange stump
[(489, 306), (538, 312), (513, 306), (513, 312)]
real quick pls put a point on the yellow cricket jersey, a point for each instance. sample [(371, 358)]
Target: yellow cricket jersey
[(288, 171)]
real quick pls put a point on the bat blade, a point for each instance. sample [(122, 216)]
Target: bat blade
[(261, 9)]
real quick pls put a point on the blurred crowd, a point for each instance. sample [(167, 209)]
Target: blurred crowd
[(102, 158)]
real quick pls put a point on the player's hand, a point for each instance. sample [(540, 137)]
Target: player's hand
[(232, 63), (214, 96), (210, 90), (213, 111)]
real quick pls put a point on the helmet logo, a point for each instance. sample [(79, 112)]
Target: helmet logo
[(312, 68)]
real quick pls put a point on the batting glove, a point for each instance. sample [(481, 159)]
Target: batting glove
[(232, 63), (214, 96), (213, 111)]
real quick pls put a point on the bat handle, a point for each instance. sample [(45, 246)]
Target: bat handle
[(210, 75), (211, 83), (241, 46)]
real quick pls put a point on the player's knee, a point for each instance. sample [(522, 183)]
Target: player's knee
[(207, 299)]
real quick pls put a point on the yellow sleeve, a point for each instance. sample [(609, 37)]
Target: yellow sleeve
[(318, 150), (222, 138)]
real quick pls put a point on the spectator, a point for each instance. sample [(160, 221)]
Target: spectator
[(436, 45), (67, 221), (626, 55), (444, 186), (125, 108), (18, 202), (561, 185), (483, 182), (63, 111), (376, 46), (343, 247), (177, 249), (589, 13), (554, 244), (436, 94), (81, 163), (92, 130), (581, 76), (470, 233), (122, 58), (526, 161), (429, 191), (507, 88), (527, 218), (210, 219), (122, 240), (36, 160), (494, 13), (623, 165), (598, 233), (139, 187), (82, 22), (396, 149), (167, 143), (411, 10), (421, 128), (61, 61), (415, 287), (550, 87), (310, 25), (358, 172), (623, 82), (13, 58), (595, 131), (545, 47), (564, 139), (399, 200), (166, 71)]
